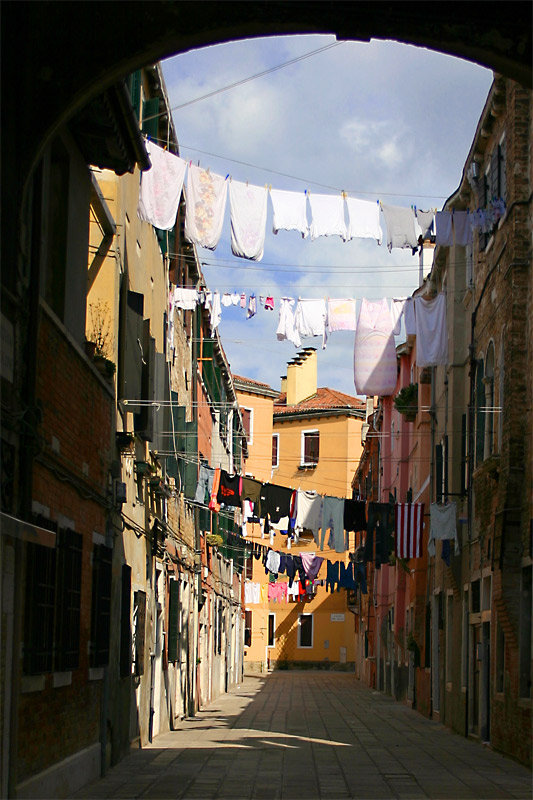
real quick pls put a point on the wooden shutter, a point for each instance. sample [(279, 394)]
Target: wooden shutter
[(173, 610), (438, 473), (132, 345), (247, 628), (151, 109), (39, 609), (68, 600), (101, 605), (140, 627), (125, 622)]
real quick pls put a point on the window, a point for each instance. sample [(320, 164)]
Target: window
[(271, 630), (249, 566), (125, 623), (101, 605), (464, 654), (525, 654), (305, 630), (139, 624), (480, 413), (52, 611), (310, 448), (247, 628), (488, 381), (248, 423), (275, 450), (173, 623)]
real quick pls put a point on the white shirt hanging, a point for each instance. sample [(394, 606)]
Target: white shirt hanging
[(363, 217), (327, 211), (206, 204), (290, 211), (248, 206), (161, 187)]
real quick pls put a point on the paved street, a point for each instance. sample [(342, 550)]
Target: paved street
[(306, 735)]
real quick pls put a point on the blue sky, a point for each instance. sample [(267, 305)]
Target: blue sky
[(381, 120)]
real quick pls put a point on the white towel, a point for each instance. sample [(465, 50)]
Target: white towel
[(462, 230), (363, 219), (216, 312), (185, 298), (402, 228), (409, 317), (248, 206), (310, 317), (431, 331), (286, 329), (396, 311), (290, 211), (161, 187), (443, 229), (327, 211), (206, 204), (341, 314), (375, 370), (226, 299)]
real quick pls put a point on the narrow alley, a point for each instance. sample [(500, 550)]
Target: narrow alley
[(310, 734)]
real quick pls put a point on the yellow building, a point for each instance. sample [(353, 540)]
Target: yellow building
[(315, 444)]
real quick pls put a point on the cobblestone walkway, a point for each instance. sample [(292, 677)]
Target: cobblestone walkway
[(305, 735)]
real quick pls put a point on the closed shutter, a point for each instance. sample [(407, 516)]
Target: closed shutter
[(135, 91), (39, 609), (173, 610), (125, 622), (438, 473), (161, 396), (132, 345), (101, 605), (140, 626), (68, 600), (144, 420), (464, 450)]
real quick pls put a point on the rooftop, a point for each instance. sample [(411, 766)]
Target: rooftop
[(324, 399)]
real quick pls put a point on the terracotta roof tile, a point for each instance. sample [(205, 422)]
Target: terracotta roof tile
[(324, 398), (251, 381)]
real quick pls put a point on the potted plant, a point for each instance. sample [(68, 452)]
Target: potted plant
[(406, 401)]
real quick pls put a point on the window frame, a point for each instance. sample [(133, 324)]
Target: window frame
[(304, 434), (275, 437), (271, 640), (305, 646)]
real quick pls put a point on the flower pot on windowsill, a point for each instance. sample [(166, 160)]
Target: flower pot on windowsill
[(406, 402), (90, 349), (104, 366)]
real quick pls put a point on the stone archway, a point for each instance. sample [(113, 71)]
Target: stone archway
[(57, 56)]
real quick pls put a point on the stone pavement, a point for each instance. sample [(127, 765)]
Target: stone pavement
[(304, 735)]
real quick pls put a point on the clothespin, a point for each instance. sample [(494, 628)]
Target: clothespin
[(269, 187), (227, 176), (208, 170), (246, 183), (190, 163)]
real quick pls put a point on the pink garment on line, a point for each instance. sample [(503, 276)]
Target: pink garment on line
[(375, 371)]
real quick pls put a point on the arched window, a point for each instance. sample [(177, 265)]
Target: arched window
[(488, 382)]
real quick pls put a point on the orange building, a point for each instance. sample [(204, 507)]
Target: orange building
[(311, 442)]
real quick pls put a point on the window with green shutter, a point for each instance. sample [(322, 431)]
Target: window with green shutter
[(173, 612), (150, 123)]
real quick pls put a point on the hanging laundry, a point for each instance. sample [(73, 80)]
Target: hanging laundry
[(277, 592), (252, 307), (402, 228), (380, 528), (346, 577), (204, 485), (333, 519), (275, 501), (226, 299), (327, 212), (214, 505), (294, 590), (443, 229), (229, 491), (272, 562), (363, 217), (462, 231), (409, 526), (396, 311), (442, 525), (248, 206), (354, 515), (310, 318), (251, 490), (286, 329), (290, 211), (307, 511), (431, 331), (332, 575), (425, 220), (375, 371), (243, 300), (206, 204), (269, 304), (252, 593), (216, 312), (161, 186), (312, 564), (341, 314), (235, 298), (186, 299), (409, 317), (262, 299)]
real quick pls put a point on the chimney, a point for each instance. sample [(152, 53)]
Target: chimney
[(283, 384), (301, 380)]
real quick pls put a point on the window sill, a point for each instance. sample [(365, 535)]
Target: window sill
[(61, 679), (303, 467), (32, 683), (96, 673)]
